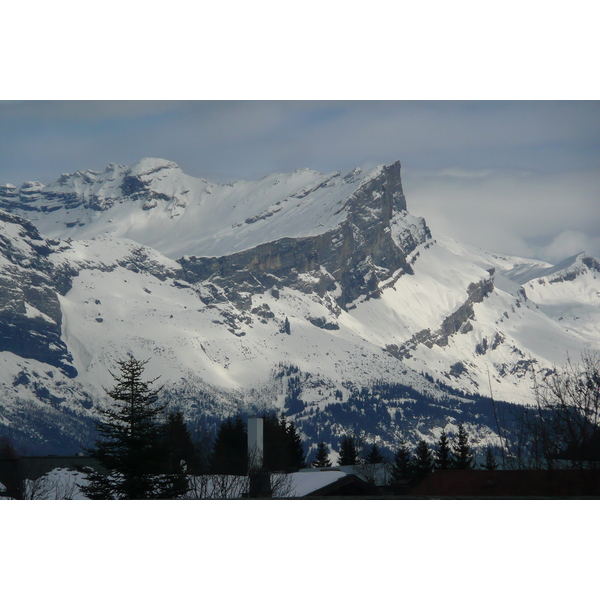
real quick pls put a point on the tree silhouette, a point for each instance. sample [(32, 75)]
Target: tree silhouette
[(402, 469), (462, 455), (180, 450), (296, 453), (230, 449), (348, 452), (7, 449), (130, 445), (423, 460), (443, 454), (321, 456), (490, 460), (374, 456)]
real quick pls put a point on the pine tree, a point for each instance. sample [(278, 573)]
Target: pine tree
[(7, 449), (374, 456), (297, 455), (402, 468), (423, 461), (276, 443), (180, 450), (443, 454), (490, 460), (348, 452), (130, 445), (283, 447), (230, 450), (321, 456), (203, 441), (462, 455)]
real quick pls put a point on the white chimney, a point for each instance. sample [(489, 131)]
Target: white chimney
[(255, 443)]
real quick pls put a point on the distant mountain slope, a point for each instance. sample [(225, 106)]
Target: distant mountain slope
[(320, 295), (156, 204)]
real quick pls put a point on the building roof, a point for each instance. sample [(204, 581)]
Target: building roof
[(329, 481)]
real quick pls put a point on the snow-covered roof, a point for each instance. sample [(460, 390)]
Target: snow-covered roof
[(307, 481)]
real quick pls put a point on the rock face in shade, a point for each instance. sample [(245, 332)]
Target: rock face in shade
[(357, 255), (30, 313)]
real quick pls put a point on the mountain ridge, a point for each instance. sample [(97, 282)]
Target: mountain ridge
[(362, 296), (158, 195)]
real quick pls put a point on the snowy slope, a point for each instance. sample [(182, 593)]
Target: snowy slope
[(569, 293), (237, 349), (156, 204)]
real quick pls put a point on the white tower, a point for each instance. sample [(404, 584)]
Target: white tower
[(255, 443)]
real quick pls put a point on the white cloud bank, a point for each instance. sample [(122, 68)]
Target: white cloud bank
[(525, 213)]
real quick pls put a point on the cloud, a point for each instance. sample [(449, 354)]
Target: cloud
[(511, 211), (568, 243)]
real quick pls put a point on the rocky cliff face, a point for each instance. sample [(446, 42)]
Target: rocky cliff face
[(355, 257), (93, 190), (30, 313)]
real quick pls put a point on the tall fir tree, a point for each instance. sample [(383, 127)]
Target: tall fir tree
[(130, 445), (180, 451), (322, 456), (374, 456), (443, 453), (490, 463), (423, 460), (230, 449), (462, 454), (203, 440), (348, 454), (283, 447), (7, 449), (297, 454), (276, 443), (402, 469)]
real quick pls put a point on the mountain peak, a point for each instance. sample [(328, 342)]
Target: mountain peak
[(149, 166), (572, 266)]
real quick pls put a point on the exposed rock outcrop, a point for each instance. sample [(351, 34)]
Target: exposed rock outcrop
[(30, 314), (356, 256)]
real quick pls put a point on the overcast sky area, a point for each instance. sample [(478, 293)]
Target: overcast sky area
[(516, 177)]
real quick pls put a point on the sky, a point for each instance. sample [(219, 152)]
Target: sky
[(514, 177)]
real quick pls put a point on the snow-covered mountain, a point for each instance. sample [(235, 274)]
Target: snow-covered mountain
[(318, 294), (156, 204)]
